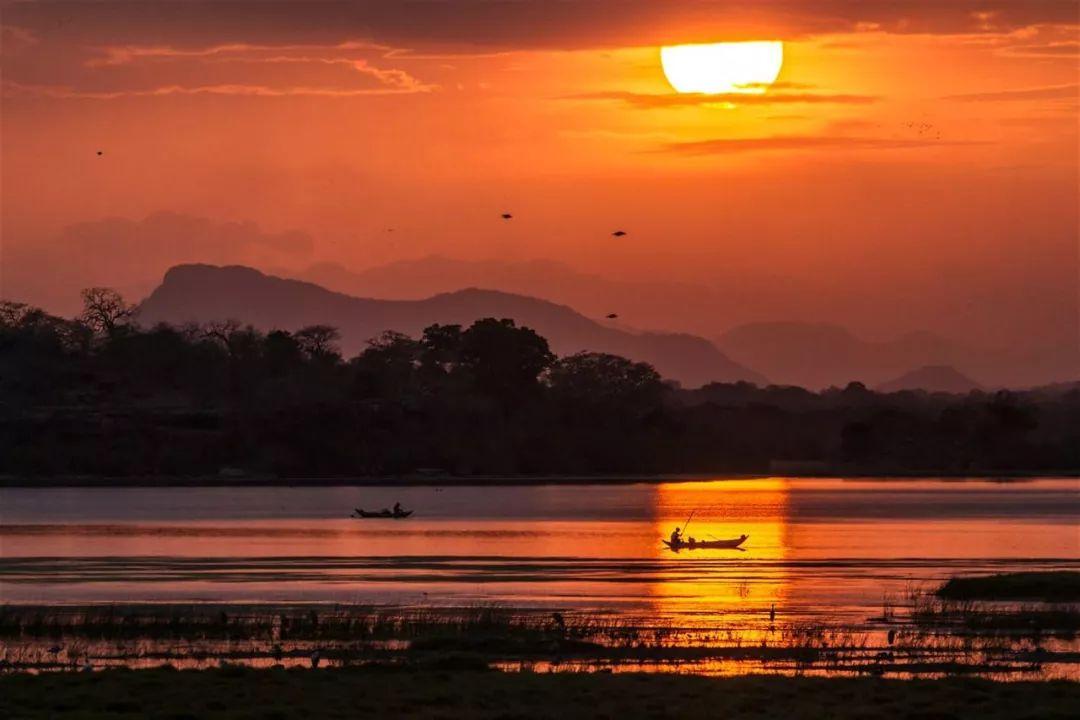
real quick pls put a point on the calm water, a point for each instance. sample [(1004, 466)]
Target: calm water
[(816, 547)]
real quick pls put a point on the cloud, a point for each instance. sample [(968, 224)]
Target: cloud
[(468, 25), (14, 89), (14, 39), (723, 146), (131, 255), (650, 101), (117, 48), (238, 68), (1053, 92), (167, 233), (1064, 49), (127, 54), (247, 54)]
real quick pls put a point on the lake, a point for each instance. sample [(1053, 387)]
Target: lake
[(832, 548)]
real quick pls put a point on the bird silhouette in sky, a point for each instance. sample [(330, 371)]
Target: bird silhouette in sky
[(611, 316), (619, 233), (506, 216), (100, 153)]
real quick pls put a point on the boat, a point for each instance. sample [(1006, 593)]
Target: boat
[(385, 514), (731, 544)]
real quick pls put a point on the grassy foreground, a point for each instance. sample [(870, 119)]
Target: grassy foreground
[(349, 693)]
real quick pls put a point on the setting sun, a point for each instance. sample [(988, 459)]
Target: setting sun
[(735, 67), (540, 358)]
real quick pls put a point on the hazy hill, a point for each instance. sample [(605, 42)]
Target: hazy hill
[(932, 378), (803, 353), (817, 355), (658, 305), (207, 292)]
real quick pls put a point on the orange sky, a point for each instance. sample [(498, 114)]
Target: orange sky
[(914, 167)]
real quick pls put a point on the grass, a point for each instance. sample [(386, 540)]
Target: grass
[(237, 693), (321, 623), (941, 637), (1061, 586)]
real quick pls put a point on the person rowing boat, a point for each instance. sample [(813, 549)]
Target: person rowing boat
[(677, 542), (397, 513)]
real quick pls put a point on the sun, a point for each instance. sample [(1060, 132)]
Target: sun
[(728, 67)]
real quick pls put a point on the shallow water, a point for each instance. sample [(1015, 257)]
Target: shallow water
[(817, 547)]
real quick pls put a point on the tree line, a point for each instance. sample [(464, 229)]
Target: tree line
[(101, 395)]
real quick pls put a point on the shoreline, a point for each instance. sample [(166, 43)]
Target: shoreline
[(439, 480), (452, 689)]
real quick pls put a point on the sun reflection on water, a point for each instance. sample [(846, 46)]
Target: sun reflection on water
[(733, 588)]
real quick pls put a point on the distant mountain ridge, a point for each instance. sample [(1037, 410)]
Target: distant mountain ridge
[(206, 292), (817, 355), (798, 352), (932, 378)]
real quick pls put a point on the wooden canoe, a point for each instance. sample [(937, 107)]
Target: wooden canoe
[(706, 544)]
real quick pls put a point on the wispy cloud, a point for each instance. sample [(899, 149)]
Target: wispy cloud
[(345, 55), (1053, 92), (15, 39), (127, 54), (649, 101), (1065, 49), (722, 146), (471, 25), (62, 92)]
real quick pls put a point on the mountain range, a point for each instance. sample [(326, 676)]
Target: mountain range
[(932, 378), (791, 352), (817, 355), (201, 293)]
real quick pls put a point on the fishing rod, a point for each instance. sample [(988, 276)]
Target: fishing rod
[(687, 523)]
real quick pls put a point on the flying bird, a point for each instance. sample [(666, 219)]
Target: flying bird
[(611, 316), (100, 153), (506, 216), (619, 233)]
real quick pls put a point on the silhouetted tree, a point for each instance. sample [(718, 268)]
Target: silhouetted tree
[(319, 342), (441, 348), (491, 398), (105, 311), (282, 353), (505, 361), (610, 381), (387, 368), (13, 313)]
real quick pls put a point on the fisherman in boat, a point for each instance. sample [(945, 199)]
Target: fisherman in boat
[(397, 508), (676, 537)]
